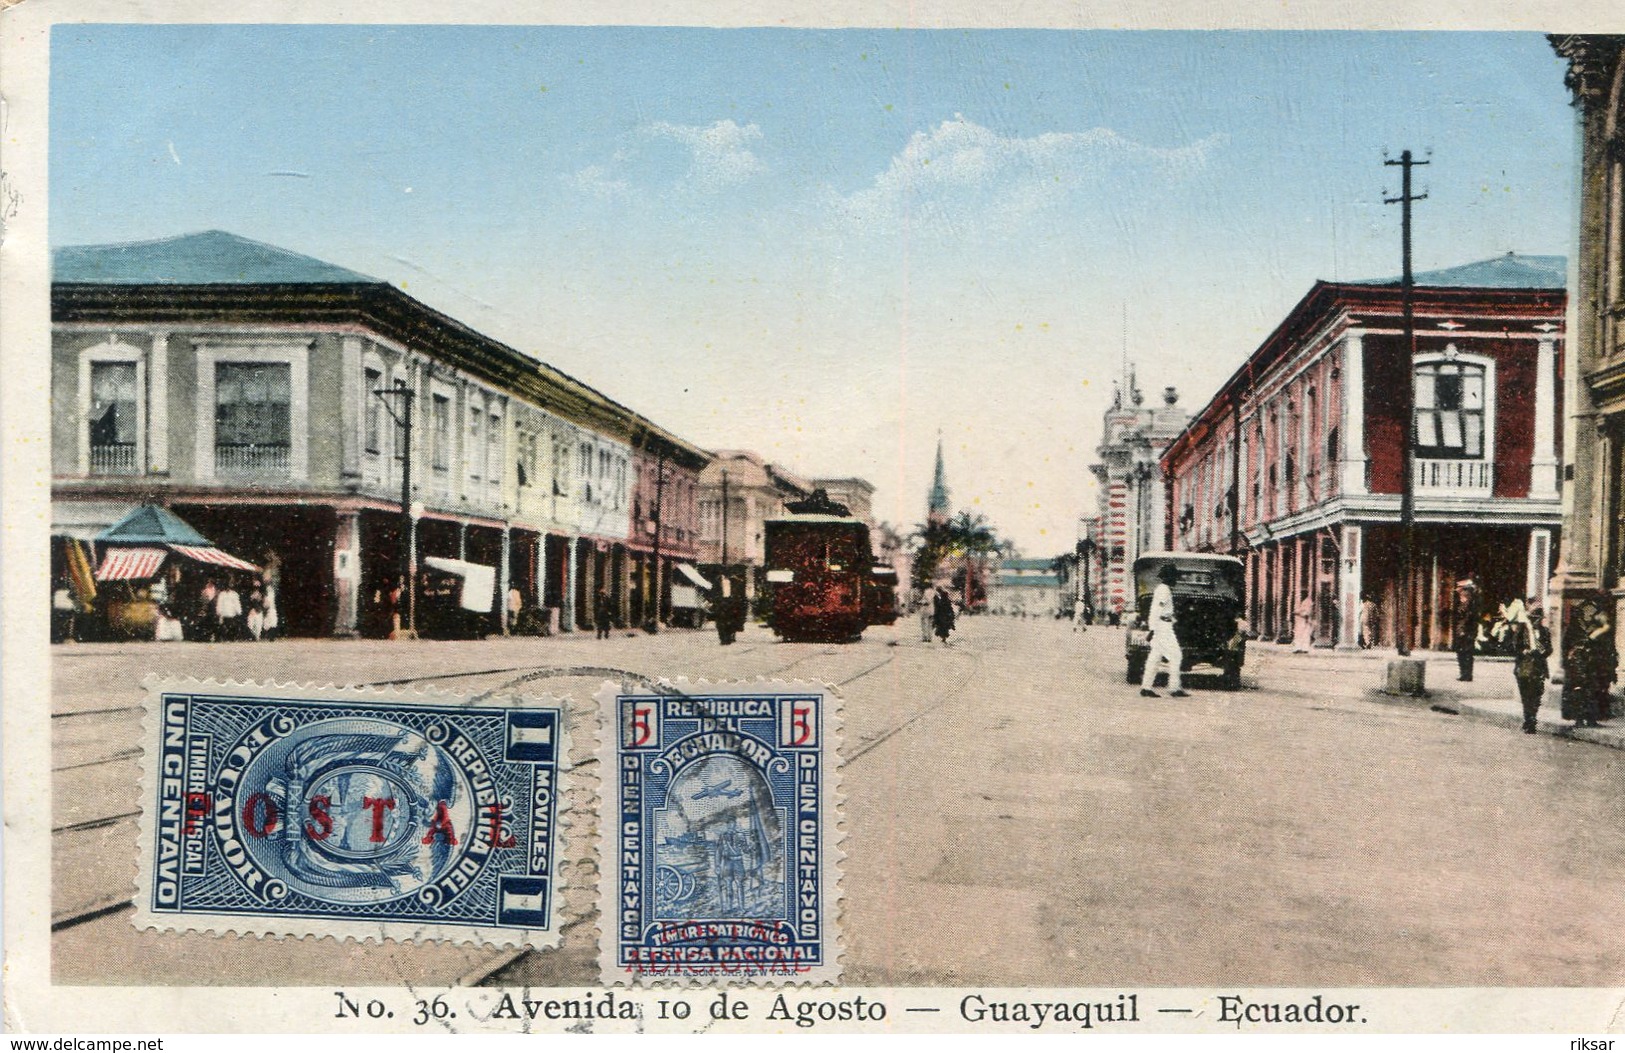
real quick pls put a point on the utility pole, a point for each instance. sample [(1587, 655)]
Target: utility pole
[(653, 623), (1407, 494), (404, 392)]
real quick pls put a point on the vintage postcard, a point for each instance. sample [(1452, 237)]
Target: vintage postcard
[(1029, 518)]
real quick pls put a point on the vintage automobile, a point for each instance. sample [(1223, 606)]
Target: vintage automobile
[(1208, 612)]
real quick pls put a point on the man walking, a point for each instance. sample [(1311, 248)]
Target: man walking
[(1464, 628), (1530, 669), (1164, 644)]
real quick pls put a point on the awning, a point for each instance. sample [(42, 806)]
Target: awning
[(130, 564), (479, 581), (688, 571), (214, 556)]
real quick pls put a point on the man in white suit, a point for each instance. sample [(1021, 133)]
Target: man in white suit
[(1164, 644)]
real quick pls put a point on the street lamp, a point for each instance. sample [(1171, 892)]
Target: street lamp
[(403, 418), (652, 622)]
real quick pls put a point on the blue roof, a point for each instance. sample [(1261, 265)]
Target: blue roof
[(1502, 272), (1028, 563), (212, 257), (1027, 581), (153, 525)]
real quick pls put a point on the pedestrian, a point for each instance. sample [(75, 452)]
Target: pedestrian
[(1303, 624), (925, 605), (1164, 641), (273, 618), (726, 629), (208, 624), (228, 612), (1368, 622), (256, 613), (942, 614), (1078, 623), (1529, 668), (1464, 629), (63, 612), (516, 604), (600, 614), (1590, 665)]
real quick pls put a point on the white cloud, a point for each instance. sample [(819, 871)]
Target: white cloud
[(720, 155), (596, 180), (960, 175)]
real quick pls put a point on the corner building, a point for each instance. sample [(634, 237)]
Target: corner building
[(235, 383), (1312, 426)]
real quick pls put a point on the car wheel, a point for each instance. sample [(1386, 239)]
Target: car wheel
[(1136, 668), (1232, 676)]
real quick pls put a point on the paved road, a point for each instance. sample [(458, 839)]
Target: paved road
[(1015, 815)]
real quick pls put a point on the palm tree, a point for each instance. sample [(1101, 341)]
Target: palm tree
[(966, 537)]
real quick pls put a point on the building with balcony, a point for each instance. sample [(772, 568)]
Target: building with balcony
[(1132, 511), (1312, 426), (262, 394)]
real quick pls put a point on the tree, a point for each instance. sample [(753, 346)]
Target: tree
[(967, 541)]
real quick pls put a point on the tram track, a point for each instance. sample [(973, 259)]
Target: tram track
[(500, 964)]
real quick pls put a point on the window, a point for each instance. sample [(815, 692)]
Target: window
[(252, 416), (493, 444), (476, 451), (1450, 410), (440, 430), (584, 463), (372, 382), (113, 427)]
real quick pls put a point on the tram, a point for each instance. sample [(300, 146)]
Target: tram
[(820, 570)]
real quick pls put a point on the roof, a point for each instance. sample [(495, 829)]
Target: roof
[(213, 257), (1189, 557), (1027, 581), (152, 525), (1028, 563), (1511, 271)]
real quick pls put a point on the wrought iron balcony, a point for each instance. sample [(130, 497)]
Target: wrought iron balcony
[(1454, 476), (113, 459), (248, 459)]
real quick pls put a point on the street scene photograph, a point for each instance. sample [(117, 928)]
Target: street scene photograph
[(1194, 460)]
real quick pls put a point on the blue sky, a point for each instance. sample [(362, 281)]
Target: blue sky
[(825, 245)]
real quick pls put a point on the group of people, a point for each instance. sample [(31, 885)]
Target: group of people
[(224, 613), (1590, 660), (937, 615)]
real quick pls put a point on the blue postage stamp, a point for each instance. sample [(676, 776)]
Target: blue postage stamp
[(349, 813), (720, 829)]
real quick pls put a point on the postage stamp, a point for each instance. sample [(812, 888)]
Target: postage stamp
[(719, 822), (282, 810)]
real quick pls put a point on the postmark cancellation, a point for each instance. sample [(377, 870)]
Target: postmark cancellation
[(719, 833), (299, 811)]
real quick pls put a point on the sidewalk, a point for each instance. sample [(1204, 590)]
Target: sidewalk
[(1492, 694)]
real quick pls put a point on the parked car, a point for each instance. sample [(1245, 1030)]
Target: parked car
[(1208, 612)]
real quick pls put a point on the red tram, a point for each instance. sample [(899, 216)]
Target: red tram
[(820, 570)]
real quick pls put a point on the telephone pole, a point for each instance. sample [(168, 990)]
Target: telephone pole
[(1407, 486), (403, 419), (652, 624)]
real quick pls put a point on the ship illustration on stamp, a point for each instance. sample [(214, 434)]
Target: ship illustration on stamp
[(325, 812), (719, 831)]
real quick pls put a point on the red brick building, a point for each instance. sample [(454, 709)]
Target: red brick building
[(1312, 424)]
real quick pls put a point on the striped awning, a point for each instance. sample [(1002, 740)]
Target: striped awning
[(130, 564), (214, 556)]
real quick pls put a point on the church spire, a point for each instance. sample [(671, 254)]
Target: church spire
[(937, 505)]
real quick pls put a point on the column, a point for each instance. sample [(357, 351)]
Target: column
[(572, 572), (502, 577), (462, 540), (1543, 462), (347, 572), (351, 419), (1353, 431), (1349, 589), (541, 571), (158, 405)]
